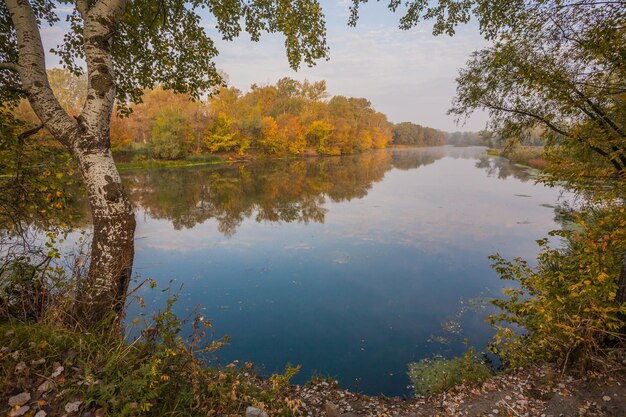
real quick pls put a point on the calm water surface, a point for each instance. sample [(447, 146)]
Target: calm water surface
[(350, 266)]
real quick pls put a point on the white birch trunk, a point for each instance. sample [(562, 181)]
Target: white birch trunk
[(87, 138)]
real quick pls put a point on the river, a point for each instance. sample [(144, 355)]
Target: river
[(351, 266)]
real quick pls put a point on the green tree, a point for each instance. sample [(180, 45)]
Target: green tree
[(127, 46), (169, 136)]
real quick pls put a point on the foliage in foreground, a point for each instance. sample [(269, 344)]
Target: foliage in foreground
[(566, 305), (434, 376), (157, 374)]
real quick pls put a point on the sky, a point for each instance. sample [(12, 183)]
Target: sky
[(409, 75)]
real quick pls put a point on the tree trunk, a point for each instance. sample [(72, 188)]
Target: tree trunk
[(620, 298), (87, 137), (102, 294)]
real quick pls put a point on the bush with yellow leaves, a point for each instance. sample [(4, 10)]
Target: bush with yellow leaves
[(564, 310)]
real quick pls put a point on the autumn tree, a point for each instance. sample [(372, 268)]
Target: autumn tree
[(128, 46), (407, 133), (221, 135)]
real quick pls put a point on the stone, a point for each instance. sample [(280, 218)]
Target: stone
[(255, 412), (331, 410), (19, 411), (73, 407), (44, 387), (606, 398), (57, 371), (20, 367), (41, 413), (19, 399)]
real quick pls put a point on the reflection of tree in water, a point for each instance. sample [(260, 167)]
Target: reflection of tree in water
[(406, 159), (502, 168), (272, 190)]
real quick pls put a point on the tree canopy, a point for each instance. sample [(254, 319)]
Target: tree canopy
[(164, 43)]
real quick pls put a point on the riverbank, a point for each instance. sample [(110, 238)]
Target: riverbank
[(532, 156), (540, 391), (49, 371), (132, 161), (126, 161)]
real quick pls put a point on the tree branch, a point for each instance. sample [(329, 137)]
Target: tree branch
[(603, 116), (32, 71), (528, 114), (101, 22), (618, 167), (82, 7), (30, 132), (606, 124)]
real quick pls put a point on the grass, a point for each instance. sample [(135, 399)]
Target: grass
[(435, 376), (157, 374), (141, 163), (532, 156)]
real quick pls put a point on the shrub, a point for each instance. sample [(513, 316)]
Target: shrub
[(158, 373), (564, 309)]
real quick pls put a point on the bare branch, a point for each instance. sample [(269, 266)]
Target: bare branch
[(30, 132)]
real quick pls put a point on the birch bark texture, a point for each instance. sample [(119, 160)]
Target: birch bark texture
[(87, 139), (128, 46)]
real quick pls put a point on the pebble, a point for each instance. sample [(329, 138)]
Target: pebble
[(44, 387), (73, 407), (21, 366), (255, 412), (19, 411), (606, 398), (331, 410), (19, 399), (57, 371), (40, 413)]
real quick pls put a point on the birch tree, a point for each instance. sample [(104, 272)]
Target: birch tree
[(125, 46)]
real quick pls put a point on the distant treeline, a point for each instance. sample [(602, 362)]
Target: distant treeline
[(407, 133), (532, 137), (290, 117), (287, 118)]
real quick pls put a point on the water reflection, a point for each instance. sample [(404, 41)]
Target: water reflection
[(346, 265), (266, 190), (281, 190), (501, 168)]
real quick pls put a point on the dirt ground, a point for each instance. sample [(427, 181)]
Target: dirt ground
[(540, 392)]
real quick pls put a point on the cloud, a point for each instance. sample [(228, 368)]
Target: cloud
[(408, 75)]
